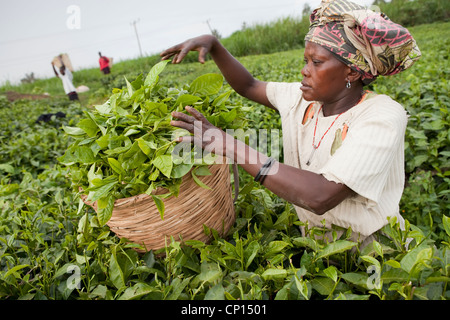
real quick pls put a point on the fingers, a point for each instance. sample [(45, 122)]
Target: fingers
[(183, 117), (185, 139), (201, 44), (178, 57), (184, 121), (196, 114), (178, 52), (170, 52), (189, 123), (202, 54), (174, 52)]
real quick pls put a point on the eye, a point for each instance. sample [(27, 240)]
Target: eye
[(316, 62)]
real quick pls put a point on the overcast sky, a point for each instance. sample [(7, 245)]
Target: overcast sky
[(33, 32)]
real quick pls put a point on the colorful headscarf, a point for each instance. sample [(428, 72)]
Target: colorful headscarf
[(365, 40)]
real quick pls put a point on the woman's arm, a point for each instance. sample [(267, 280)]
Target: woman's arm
[(234, 72), (300, 187), (54, 70)]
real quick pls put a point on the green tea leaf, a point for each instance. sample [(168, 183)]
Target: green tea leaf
[(371, 260), (130, 89), (138, 82), (178, 287), (129, 138), (301, 285), (202, 171), (446, 223), (103, 141), (153, 75), (7, 167), (73, 131), (210, 272), (274, 247), (181, 170), (133, 158), (88, 126), (220, 100), (8, 189), (207, 84), (199, 182), (159, 204), (164, 164), (395, 275), (331, 272), (323, 286), (95, 120), (105, 207), (102, 190), (335, 247), (359, 279), (14, 270), (83, 155), (250, 252), (137, 291), (306, 242), (274, 274), (115, 272), (417, 255), (116, 166), (145, 147), (104, 109), (186, 100), (229, 116), (217, 292)]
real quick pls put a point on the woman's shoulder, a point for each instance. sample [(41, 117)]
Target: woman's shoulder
[(382, 99), (382, 105), (381, 109)]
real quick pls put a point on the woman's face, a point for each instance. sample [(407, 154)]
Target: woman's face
[(324, 76)]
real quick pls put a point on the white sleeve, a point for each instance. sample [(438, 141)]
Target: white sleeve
[(283, 96)]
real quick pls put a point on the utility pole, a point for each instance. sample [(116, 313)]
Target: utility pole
[(214, 32), (209, 26), (137, 36)]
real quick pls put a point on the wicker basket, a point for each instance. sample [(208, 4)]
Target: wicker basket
[(138, 220)]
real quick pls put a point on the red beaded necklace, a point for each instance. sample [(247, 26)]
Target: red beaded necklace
[(315, 147)]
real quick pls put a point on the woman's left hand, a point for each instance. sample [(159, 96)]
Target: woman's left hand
[(205, 135)]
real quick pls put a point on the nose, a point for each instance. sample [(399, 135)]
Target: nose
[(305, 71)]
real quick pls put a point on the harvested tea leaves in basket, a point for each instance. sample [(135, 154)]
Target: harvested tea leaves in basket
[(125, 147)]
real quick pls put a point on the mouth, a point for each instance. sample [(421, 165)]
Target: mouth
[(305, 86)]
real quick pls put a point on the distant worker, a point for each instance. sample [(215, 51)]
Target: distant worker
[(104, 64), (65, 74)]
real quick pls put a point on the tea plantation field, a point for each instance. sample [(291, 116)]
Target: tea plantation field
[(53, 248)]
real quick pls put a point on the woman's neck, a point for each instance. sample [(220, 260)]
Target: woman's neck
[(343, 103)]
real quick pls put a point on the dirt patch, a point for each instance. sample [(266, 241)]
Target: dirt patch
[(12, 96)]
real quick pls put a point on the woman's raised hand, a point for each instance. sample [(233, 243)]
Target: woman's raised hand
[(203, 44)]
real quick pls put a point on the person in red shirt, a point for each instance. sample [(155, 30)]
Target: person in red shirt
[(104, 64)]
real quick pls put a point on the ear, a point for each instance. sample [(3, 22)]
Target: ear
[(353, 75)]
